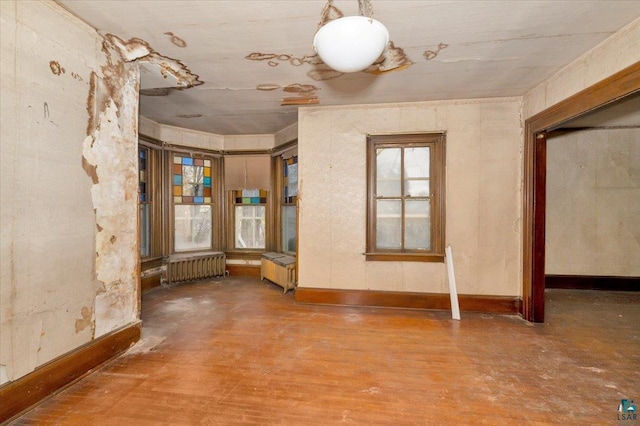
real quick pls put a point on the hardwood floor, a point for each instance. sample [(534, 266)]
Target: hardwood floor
[(238, 351)]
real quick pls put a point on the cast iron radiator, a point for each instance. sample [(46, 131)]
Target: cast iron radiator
[(195, 266)]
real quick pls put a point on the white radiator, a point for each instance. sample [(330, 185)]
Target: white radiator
[(195, 266)]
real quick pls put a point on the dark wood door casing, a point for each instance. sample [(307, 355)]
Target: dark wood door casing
[(619, 85)]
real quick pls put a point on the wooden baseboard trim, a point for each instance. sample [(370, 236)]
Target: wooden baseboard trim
[(244, 270), (150, 282), (392, 299), (22, 394), (591, 282)]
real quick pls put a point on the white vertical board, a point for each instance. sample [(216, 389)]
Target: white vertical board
[(453, 292)]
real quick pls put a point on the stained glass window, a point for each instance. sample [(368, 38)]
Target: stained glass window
[(191, 179), (191, 186), (142, 173), (250, 218), (145, 206), (290, 196), (250, 196), (290, 170)]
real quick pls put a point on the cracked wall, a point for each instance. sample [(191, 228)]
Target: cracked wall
[(68, 212)]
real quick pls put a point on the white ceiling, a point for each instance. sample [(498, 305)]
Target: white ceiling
[(457, 50)]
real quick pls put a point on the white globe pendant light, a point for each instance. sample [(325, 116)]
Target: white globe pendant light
[(352, 43)]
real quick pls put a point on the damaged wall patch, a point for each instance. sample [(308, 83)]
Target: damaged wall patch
[(56, 68), (86, 320)]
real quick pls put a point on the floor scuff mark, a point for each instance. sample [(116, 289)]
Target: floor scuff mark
[(149, 340)]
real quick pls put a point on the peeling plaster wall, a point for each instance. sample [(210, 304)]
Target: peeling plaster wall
[(593, 203), (69, 246), (614, 54), (483, 200)]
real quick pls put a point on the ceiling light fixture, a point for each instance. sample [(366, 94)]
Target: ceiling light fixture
[(351, 43)]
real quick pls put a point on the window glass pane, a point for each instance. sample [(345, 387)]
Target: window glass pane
[(289, 229), (388, 172), (388, 224), (417, 227), (292, 180), (192, 181), (145, 230), (416, 172), (417, 188), (416, 162), (192, 227), (250, 227)]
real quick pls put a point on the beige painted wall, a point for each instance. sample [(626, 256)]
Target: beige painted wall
[(614, 54), (483, 205), (593, 203), (56, 293)]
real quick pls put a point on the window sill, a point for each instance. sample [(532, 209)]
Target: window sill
[(245, 255), (404, 257), (151, 262)]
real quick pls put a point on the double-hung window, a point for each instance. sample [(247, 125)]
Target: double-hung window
[(289, 199), (144, 194), (405, 209), (149, 199), (192, 203), (249, 216)]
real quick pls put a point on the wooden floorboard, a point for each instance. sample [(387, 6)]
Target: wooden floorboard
[(239, 351)]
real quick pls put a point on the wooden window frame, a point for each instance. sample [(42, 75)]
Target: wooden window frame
[(278, 167), (246, 253), (215, 191), (154, 199), (437, 168)]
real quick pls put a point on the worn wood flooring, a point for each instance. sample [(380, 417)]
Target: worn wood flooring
[(238, 351)]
